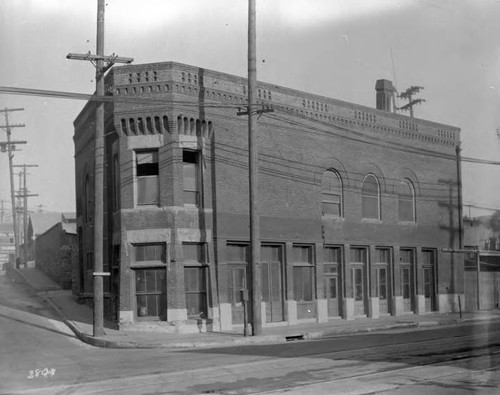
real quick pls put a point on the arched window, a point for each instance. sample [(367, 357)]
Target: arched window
[(370, 195), (406, 201), (331, 193)]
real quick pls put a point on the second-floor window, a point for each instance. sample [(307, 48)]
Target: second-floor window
[(147, 177), (370, 196), (331, 194), (406, 201), (191, 177)]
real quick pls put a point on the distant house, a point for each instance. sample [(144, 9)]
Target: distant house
[(56, 249)]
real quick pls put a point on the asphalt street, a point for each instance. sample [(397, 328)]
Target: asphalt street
[(41, 356)]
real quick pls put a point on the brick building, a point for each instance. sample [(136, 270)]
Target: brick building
[(355, 203), (56, 251)]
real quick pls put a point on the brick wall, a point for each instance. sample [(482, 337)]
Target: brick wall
[(56, 254)]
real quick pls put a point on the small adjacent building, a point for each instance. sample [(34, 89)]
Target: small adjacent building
[(356, 203), (56, 251), (482, 269)]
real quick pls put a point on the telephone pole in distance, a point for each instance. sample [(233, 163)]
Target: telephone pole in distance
[(9, 147), (25, 195)]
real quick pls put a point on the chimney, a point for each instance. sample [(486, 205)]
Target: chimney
[(385, 95)]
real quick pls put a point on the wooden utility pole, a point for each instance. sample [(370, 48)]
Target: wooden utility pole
[(408, 95), (98, 60), (253, 164), (9, 146), (458, 151), (25, 195)]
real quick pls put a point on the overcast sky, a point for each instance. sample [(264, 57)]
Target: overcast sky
[(335, 48)]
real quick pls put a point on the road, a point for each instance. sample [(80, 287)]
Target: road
[(460, 360)]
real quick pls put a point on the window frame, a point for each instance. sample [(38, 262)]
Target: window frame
[(155, 154), (332, 195), (407, 199), (160, 294), (304, 265), (366, 197), (198, 178), (201, 263)]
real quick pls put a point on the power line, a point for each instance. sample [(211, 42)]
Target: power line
[(197, 104)]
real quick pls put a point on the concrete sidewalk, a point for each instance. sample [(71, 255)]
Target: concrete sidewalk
[(79, 318)]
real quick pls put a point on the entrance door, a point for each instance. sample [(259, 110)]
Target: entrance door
[(406, 288), (332, 296), (272, 283), (358, 286), (382, 290), (429, 288), (407, 257), (237, 283)]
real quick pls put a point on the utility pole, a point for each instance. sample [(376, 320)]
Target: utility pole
[(98, 60), (253, 168), (25, 195), (408, 95), (458, 151), (9, 146)]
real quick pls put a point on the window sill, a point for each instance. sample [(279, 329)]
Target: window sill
[(371, 220), (332, 217), (147, 207), (141, 265), (407, 223)]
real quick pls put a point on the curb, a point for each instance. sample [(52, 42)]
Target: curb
[(272, 338)]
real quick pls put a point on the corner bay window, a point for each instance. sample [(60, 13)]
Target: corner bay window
[(195, 280), (147, 177)]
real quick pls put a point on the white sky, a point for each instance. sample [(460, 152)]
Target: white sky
[(335, 48)]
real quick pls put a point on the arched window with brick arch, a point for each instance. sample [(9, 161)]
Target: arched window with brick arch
[(331, 193), (370, 197), (406, 201)]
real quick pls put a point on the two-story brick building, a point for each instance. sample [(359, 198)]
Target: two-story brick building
[(355, 203)]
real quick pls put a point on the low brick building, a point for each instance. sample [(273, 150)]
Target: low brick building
[(355, 203), (56, 252)]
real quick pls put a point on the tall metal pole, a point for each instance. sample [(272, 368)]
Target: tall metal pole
[(253, 172), (12, 189), (99, 179)]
